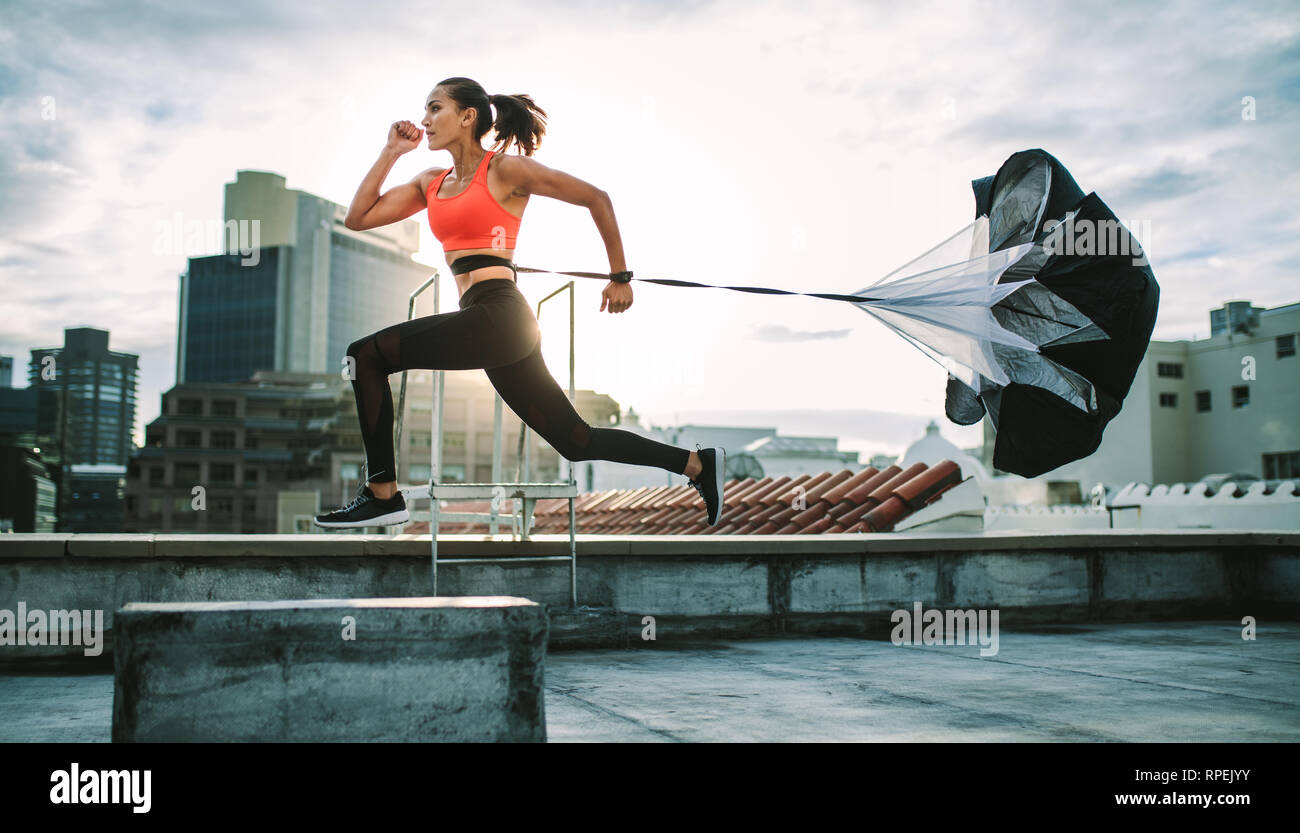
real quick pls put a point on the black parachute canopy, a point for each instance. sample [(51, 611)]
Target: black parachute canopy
[(1041, 310)]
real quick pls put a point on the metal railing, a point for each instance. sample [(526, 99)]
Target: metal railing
[(523, 493)]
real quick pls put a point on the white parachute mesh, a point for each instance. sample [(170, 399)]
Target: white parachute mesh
[(944, 303)]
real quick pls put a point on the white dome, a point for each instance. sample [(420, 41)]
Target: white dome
[(933, 448)]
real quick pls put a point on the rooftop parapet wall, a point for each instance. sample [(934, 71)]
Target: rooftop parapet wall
[(1257, 505), (696, 585)]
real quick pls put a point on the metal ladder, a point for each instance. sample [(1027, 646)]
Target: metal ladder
[(523, 493)]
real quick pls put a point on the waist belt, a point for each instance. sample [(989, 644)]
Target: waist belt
[(469, 263)]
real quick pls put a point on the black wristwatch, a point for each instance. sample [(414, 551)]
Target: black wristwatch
[(621, 277)]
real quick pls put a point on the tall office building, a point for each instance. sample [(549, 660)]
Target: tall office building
[(27, 490), (86, 415), (295, 288)]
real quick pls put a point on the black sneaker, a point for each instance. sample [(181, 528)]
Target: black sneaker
[(367, 510), (711, 480)]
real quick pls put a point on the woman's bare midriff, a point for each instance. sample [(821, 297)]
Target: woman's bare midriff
[(483, 273)]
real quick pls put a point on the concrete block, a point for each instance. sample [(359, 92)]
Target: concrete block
[(439, 668)]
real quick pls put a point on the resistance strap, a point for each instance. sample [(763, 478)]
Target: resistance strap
[(761, 290)]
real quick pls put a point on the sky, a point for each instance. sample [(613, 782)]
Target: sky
[(811, 146)]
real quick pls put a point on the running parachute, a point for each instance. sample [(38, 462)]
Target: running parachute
[(1040, 310)]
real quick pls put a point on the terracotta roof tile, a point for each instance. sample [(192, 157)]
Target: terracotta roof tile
[(859, 494), (757, 520), (837, 494), (735, 495), (834, 501), (885, 491), (855, 514), (929, 484), (884, 516), (820, 526), (766, 494)]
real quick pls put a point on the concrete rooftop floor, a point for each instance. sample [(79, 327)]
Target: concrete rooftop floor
[(1180, 681)]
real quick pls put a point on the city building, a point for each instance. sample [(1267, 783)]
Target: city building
[(271, 452), (85, 416), (752, 452), (1226, 404), (295, 301), (27, 492)]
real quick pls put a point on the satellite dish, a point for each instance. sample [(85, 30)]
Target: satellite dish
[(742, 466)]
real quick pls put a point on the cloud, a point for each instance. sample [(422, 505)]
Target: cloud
[(1172, 179), (782, 333)]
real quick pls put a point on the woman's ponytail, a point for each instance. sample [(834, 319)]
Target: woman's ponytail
[(519, 120)]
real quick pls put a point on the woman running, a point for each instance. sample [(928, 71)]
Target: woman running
[(474, 210)]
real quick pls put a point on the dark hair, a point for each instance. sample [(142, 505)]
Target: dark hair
[(518, 120)]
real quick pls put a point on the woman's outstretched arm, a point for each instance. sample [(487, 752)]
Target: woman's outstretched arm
[(531, 177), (369, 209)]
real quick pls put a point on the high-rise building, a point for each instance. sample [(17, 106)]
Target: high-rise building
[(295, 287), (27, 490), (84, 422)]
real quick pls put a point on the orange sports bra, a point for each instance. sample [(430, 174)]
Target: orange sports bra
[(473, 219)]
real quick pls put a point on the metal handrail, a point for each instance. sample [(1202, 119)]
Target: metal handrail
[(401, 399), (524, 454), (522, 505)]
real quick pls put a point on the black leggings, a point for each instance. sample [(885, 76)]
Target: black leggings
[(495, 330)]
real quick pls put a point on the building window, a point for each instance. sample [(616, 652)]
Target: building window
[(156, 475), (189, 407), (1169, 400), (1202, 401), (250, 477), (1286, 345), (189, 439), (222, 472), (1283, 465), (1169, 370), (221, 439), (250, 507), (1241, 396), (223, 407), (186, 474)]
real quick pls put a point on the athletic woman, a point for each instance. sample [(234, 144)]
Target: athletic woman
[(474, 210)]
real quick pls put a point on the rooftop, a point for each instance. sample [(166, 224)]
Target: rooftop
[(1156, 682)]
